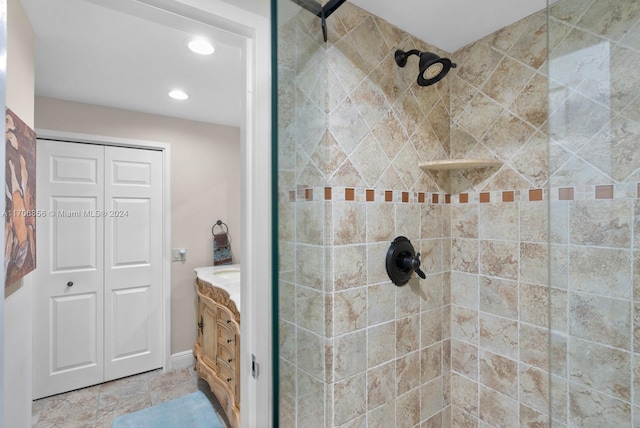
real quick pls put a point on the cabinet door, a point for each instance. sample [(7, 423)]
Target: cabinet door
[(209, 333)]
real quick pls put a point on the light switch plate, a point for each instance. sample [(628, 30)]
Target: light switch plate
[(179, 254)]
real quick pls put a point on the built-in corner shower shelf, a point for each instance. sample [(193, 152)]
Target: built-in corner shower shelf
[(459, 164)]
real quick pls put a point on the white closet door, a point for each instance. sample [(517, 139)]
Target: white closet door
[(98, 282), (68, 318), (133, 261)]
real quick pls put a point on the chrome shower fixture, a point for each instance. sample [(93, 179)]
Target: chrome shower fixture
[(432, 67)]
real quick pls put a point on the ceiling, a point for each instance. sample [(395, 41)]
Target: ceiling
[(451, 24), (129, 55)]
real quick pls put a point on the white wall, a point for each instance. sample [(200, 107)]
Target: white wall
[(205, 186), (18, 313)]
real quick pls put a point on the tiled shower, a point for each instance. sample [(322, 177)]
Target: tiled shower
[(527, 316)]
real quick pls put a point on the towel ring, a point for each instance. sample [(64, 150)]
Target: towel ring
[(223, 227)]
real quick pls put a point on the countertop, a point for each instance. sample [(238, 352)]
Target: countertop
[(226, 277)]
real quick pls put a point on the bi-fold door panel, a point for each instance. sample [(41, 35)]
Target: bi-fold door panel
[(68, 306), (133, 195)]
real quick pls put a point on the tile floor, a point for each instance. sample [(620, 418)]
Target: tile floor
[(97, 406)]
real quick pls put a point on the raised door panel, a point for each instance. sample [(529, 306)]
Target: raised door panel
[(209, 335), (131, 312), (74, 216), (73, 344)]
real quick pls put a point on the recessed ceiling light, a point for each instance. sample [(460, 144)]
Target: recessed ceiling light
[(178, 94), (201, 46)]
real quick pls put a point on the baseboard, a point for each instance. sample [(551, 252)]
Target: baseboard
[(182, 360)]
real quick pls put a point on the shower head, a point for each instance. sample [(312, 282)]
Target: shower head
[(432, 67)]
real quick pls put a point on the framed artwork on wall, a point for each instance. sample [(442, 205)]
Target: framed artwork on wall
[(20, 199)]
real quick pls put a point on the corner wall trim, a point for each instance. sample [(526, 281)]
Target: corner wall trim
[(181, 360)]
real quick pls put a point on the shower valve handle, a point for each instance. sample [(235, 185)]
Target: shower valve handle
[(413, 263)]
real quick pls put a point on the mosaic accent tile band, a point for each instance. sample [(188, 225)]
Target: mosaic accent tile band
[(583, 193)]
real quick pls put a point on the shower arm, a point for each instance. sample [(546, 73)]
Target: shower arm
[(401, 59), (322, 12)]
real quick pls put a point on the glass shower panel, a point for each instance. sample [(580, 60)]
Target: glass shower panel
[(594, 238), (301, 77)]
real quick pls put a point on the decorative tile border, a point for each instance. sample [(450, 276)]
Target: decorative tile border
[(594, 192)]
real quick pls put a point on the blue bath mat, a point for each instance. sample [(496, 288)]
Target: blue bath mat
[(191, 411)]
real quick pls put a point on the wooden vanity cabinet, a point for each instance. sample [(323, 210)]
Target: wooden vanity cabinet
[(217, 347)]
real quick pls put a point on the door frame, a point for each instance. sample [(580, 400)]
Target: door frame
[(256, 199), (165, 148)]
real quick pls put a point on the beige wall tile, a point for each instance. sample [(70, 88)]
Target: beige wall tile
[(434, 291), (499, 373), (287, 341), (613, 368), (407, 372), (464, 290), (534, 388), (310, 352), (532, 418), (408, 336), (350, 309), (350, 354), (431, 362), (534, 304), (381, 341), (408, 298), (464, 324), (588, 273), (464, 359), (498, 221), (349, 266), (499, 335), (534, 221), (310, 309), (605, 223), (310, 409), (464, 221), (464, 255), (534, 263), (408, 409), (464, 394), (499, 258), (381, 303), (381, 385), (376, 268), (431, 255), (349, 223), (497, 409), (600, 319), (499, 296), (380, 222), (589, 407), (431, 398), (349, 398), (383, 416), (310, 265), (534, 346), (309, 221), (462, 419)]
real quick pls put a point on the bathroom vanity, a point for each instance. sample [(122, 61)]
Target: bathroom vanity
[(217, 347)]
